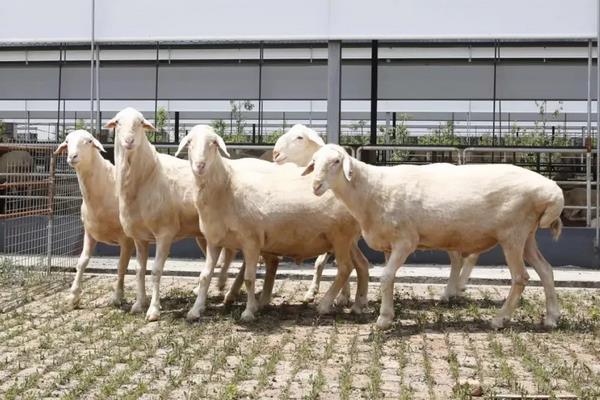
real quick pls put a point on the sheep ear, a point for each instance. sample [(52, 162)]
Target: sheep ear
[(347, 168), (183, 144), (61, 148), (148, 125), (221, 144), (111, 124), (98, 145), (309, 168), (314, 136)]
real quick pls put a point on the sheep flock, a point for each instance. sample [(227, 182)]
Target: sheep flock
[(313, 201)]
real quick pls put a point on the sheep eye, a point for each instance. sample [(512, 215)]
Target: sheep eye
[(336, 162), (299, 138)]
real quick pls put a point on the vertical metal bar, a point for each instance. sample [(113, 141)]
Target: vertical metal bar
[(598, 125), (97, 72), (374, 83), (394, 125), (494, 96), (60, 58), (588, 159), (176, 126), (28, 136), (334, 90), (92, 66), (260, 102), (50, 233), (156, 91)]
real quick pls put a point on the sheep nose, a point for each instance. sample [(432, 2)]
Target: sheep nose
[(129, 140), (275, 155), (199, 166), (72, 157)]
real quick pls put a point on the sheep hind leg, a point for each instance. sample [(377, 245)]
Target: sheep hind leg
[(312, 291), (89, 244), (271, 264), (519, 277), (469, 263), (361, 265), (251, 258), (125, 254), (163, 245), (234, 290), (224, 262), (203, 284), (452, 288), (535, 258), (141, 299)]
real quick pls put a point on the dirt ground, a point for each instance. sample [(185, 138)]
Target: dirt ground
[(434, 351)]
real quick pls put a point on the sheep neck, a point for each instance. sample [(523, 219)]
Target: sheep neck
[(215, 183), (355, 193), (95, 179), (135, 168)]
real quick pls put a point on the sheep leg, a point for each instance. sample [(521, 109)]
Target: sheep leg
[(125, 254), (251, 258), (344, 267), (386, 312), (163, 246), (519, 277), (469, 263), (535, 258), (234, 290), (204, 282), (271, 264), (89, 244), (141, 300), (361, 264), (452, 288), (312, 291), (225, 259), (201, 242)]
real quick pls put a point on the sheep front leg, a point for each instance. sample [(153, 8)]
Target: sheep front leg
[(163, 246), (312, 291), (519, 277), (205, 277), (126, 251), (251, 259), (234, 290), (225, 259), (141, 300), (89, 244), (456, 263), (201, 242), (386, 312), (344, 267)]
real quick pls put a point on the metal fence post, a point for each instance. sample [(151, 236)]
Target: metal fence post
[(50, 211)]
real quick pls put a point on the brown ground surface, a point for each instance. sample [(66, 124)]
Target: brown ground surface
[(434, 351)]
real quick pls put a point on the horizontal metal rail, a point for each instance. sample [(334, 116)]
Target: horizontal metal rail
[(40, 211), (528, 150)]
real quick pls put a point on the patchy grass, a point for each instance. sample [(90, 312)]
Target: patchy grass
[(97, 351)]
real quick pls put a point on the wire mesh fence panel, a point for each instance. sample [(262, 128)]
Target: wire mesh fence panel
[(40, 204)]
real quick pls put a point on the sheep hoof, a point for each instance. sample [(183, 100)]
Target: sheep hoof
[(73, 300), (497, 323), (137, 308), (309, 297), (193, 315), (383, 322), (153, 314), (196, 290), (342, 301), (247, 316), (360, 309), (116, 299), (229, 298), (551, 321)]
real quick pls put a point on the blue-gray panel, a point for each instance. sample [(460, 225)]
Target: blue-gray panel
[(126, 82), (28, 82)]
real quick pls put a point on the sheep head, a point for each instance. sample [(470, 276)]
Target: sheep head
[(297, 145), (130, 128), (203, 146), (331, 165), (80, 145)]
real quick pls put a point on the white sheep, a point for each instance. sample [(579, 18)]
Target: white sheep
[(99, 208), (273, 214), (297, 146), (155, 193), (578, 197), (467, 208)]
